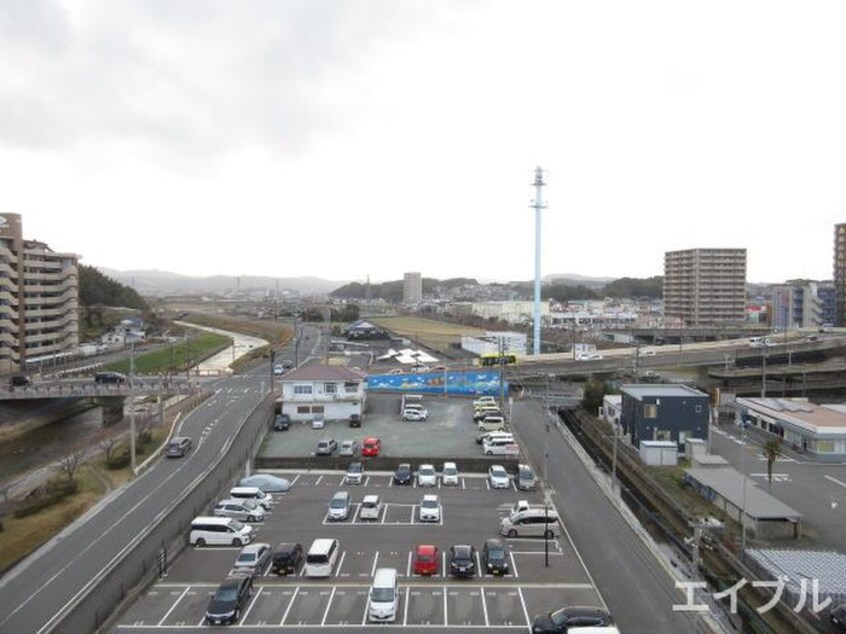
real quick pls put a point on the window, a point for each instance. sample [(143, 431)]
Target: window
[(698, 409), (825, 446), (302, 389), (329, 388), (650, 410), (317, 409), (350, 387), (303, 409), (663, 434)]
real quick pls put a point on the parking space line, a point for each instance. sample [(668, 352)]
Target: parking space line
[(525, 610), (487, 484), (173, 607), (355, 513), (366, 480), (835, 480), (297, 477), (290, 605), (366, 610), (319, 478), (411, 521), (328, 605), (462, 484), (250, 607), (373, 567), (484, 607), (340, 563), (479, 572), (408, 566), (513, 564), (443, 565)]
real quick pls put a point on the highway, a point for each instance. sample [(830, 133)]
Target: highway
[(637, 590), (45, 585)]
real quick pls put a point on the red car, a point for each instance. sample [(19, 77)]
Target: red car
[(426, 560), (371, 446)]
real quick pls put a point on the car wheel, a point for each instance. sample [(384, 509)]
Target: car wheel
[(236, 542), (200, 542), (548, 534), (512, 533), (489, 453), (251, 518)]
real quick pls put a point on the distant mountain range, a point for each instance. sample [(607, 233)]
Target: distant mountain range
[(153, 282)]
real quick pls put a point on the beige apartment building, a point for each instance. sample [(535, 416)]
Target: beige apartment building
[(39, 298), (705, 287), (412, 288)]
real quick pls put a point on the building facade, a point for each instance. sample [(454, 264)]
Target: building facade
[(39, 298), (803, 305), (496, 341), (705, 287), (412, 288), (664, 412), (840, 274), (331, 391)]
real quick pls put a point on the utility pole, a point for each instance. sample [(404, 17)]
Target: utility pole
[(132, 409), (537, 205), (764, 373)]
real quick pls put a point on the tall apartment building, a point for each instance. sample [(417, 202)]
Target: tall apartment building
[(412, 288), (840, 275), (705, 287), (803, 305), (39, 298)]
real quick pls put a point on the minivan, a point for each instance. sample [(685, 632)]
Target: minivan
[(240, 509), (491, 423), (536, 522), (252, 493), (384, 595), (499, 446), (339, 506), (321, 557), (219, 531), (178, 447)]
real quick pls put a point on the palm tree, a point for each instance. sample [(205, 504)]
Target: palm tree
[(772, 450)]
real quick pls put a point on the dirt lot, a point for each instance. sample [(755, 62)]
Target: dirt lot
[(437, 335)]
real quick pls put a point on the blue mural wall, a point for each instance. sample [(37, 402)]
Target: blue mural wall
[(463, 383)]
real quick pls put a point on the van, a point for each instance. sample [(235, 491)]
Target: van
[(339, 506), (535, 522), (384, 596), (252, 493), (178, 447), (485, 399), (219, 531), (525, 480), (491, 423), (109, 377), (499, 446), (321, 557)]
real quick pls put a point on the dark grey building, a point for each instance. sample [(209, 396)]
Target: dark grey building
[(664, 412)]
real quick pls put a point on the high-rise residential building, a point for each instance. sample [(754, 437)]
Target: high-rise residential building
[(412, 288), (840, 274), (705, 287), (803, 304), (39, 298)]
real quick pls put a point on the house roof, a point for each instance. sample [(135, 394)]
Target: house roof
[(826, 419), (653, 390), (729, 484), (321, 372)]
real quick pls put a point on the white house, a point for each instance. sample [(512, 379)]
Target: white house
[(334, 391)]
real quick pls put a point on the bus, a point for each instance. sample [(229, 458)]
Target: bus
[(494, 358)]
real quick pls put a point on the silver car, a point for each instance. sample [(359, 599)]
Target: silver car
[(253, 559), (349, 448), (240, 509)]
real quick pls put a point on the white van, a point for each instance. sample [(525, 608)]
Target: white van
[(500, 446), (321, 558), (491, 423), (219, 531), (534, 522), (383, 600), (252, 493)]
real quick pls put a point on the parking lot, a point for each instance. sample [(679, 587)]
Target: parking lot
[(470, 514)]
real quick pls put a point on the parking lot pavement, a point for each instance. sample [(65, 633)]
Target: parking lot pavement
[(469, 515)]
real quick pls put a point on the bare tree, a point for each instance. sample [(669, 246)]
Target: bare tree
[(69, 462), (107, 443), (772, 451)]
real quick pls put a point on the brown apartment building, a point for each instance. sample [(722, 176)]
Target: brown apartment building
[(39, 298), (705, 287)]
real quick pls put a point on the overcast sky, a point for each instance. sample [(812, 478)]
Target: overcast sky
[(347, 138)]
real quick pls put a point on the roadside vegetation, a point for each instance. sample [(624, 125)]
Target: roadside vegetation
[(174, 358)]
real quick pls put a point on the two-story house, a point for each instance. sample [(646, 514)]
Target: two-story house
[(664, 412), (333, 391)]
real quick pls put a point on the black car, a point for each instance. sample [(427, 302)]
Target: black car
[(494, 558), (19, 380), (229, 600), (109, 377), (837, 616), (282, 422), (573, 616), (403, 474), (287, 558), (462, 560), (355, 420)]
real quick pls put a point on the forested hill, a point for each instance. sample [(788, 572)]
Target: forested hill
[(96, 289)]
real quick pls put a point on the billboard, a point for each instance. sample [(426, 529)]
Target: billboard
[(465, 383)]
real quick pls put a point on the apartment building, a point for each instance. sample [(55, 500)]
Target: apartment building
[(840, 274), (705, 287), (412, 288), (39, 298), (803, 305)]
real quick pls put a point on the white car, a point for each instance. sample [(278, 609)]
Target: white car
[(449, 474), (498, 477), (278, 370), (647, 353), (427, 476), (415, 414), (371, 508), (430, 509)]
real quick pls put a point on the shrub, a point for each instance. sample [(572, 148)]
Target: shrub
[(54, 492), (119, 459)]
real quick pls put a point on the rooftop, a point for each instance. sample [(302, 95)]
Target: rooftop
[(321, 372), (652, 390), (799, 411), (728, 483)]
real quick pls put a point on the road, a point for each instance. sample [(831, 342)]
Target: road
[(46, 583), (637, 590)]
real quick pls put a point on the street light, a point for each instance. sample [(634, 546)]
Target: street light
[(744, 424)]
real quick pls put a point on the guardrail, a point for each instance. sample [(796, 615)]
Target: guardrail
[(140, 560)]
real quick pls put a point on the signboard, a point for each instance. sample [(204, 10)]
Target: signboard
[(464, 383)]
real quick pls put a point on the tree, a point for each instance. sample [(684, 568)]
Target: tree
[(772, 451), (107, 443), (69, 463), (594, 393)]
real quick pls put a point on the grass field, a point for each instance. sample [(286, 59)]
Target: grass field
[(173, 358), (437, 335)]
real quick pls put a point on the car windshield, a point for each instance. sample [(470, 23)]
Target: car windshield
[(498, 473), (495, 552), (449, 471), (227, 593), (403, 469), (246, 558), (354, 468), (430, 504), (369, 504), (338, 503), (248, 504), (427, 471), (425, 557), (381, 595)]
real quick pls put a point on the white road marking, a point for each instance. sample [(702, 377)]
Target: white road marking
[(318, 480), (373, 567), (835, 480), (408, 566), (173, 607), (525, 611), (250, 607), (446, 620), (513, 565), (484, 607), (328, 605), (405, 609), (340, 563)]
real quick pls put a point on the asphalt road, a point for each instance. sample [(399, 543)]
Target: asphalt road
[(637, 590), (51, 579)]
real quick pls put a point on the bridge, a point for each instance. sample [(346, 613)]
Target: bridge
[(137, 385)]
